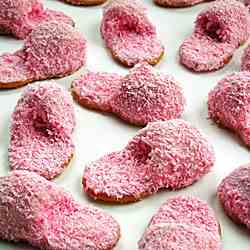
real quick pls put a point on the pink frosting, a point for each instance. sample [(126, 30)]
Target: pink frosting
[(41, 130), (229, 104), (140, 97), (20, 17), (59, 48), (40, 213), (234, 194), (182, 223), (171, 154), (219, 31), (128, 32)]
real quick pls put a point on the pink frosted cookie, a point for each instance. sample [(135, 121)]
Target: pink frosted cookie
[(129, 34), (51, 50), (20, 17), (41, 130), (229, 104), (140, 97), (164, 155), (234, 195), (245, 60), (182, 223), (178, 3), (219, 31), (85, 2), (38, 212)]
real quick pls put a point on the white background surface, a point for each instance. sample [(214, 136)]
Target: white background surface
[(97, 134)]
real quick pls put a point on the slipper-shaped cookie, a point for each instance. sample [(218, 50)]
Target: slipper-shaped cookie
[(219, 31), (178, 3), (85, 2), (229, 104), (182, 223), (164, 155), (51, 50), (129, 34), (245, 60), (140, 97), (20, 17), (38, 212), (41, 130), (233, 193)]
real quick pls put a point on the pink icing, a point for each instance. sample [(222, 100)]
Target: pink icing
[(140, 97), (20, 17), (41, 130), (234, 194), (182, 223), (219, 31), (171, 154), (129, 34), (229, 104), (59, 48), (40, 213)]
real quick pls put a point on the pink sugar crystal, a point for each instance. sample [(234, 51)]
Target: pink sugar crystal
[(129, 34), (182, 223), (171, 154), (20, 17), (38, 212), (41, 130), (229, 104), (219, 31), (234, 194)]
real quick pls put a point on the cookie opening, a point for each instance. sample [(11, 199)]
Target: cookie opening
[(213, 28), (141, 151), (40, 122)]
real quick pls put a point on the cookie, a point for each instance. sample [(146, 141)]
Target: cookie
[(20, 17), (59, 48), (38, 212), (164, 155), (85, 2), (178, 3), (228, 104), (142, 96), (41, 130), (182, 223), (129, 34), (233, 193), (219, 31)]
